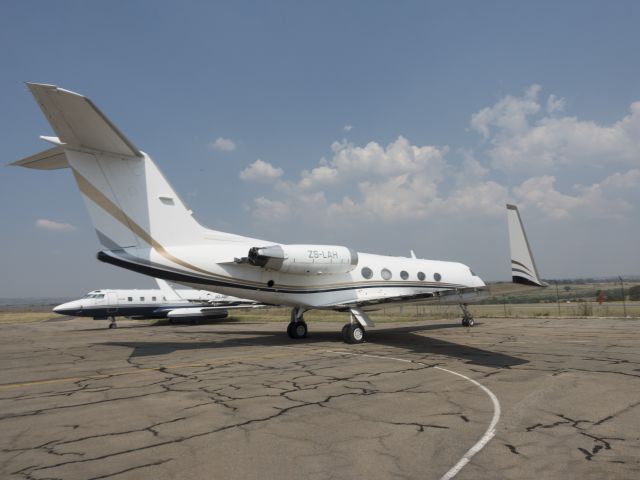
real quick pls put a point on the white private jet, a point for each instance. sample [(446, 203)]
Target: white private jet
[(165, 302), (145, 227)]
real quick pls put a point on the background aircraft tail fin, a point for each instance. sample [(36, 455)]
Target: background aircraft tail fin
[(167, 290), (523, 267)]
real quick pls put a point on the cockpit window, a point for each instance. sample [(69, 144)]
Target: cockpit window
[(100, 295)]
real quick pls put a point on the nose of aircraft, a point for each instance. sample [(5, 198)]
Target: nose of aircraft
[(66, 307)]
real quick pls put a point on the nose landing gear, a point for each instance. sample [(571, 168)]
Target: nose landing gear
[(467, 319)]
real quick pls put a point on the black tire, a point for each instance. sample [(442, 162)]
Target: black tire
[(113, 325), (345, 336), (355, 333), (297, 330), (470, 322)]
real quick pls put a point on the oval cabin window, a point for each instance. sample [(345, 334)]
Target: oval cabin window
[(366, 273)]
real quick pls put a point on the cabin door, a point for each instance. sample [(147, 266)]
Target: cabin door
[(112, 303)]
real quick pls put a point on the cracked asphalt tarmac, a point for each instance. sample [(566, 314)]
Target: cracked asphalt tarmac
[(243, 401)]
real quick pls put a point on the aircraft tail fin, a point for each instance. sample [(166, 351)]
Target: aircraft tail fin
[(523, 267), (167, 290), (130, 202), (77, 121)]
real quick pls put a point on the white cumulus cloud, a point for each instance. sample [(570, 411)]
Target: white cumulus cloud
[(50, 225), (261, 171), (223, 144), (510, 114), (374, 161), (615, 195), (521, 140), (270, 210), (530, 150)]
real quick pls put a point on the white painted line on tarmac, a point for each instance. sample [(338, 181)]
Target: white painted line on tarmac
[(488, 434)]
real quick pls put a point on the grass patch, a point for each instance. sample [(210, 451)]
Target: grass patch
[(24, 317)]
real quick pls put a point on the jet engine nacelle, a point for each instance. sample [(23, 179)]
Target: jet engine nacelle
[(304, 259)]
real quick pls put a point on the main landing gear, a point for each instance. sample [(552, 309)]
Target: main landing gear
[(467, 319), (353, 333), (113, 323), (297, 326)]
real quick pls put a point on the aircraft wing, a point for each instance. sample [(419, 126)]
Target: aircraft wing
[(449, 297), (206, 311), (197, 312), (505, 288)]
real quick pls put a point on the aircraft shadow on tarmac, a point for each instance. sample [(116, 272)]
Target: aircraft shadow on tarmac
[(403, 338)]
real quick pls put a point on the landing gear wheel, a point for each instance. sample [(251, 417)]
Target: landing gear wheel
[(113, 325), (297, 330), (354, 333), (467, 322), (344, 332)]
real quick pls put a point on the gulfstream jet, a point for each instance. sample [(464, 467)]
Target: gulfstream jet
[(144, 226), (165, 302)]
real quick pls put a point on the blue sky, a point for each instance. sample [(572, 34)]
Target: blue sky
[(385, 126)]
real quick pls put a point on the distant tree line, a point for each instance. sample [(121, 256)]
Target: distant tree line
[(566, 293), (583, 281)]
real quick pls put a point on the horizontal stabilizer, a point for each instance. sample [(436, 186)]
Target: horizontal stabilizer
[(51, 159), (78, 122)]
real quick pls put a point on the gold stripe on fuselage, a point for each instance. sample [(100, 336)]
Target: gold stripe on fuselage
[(108, 206)]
